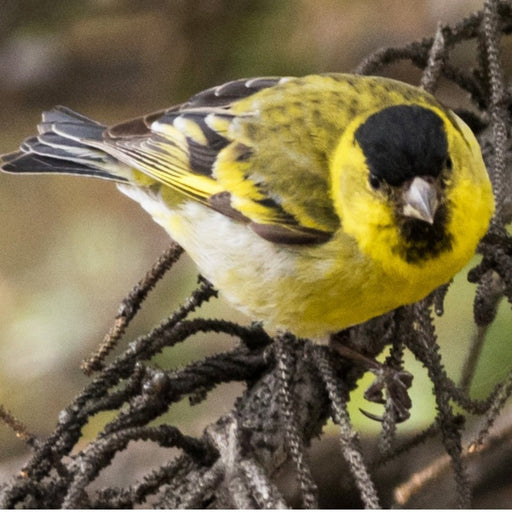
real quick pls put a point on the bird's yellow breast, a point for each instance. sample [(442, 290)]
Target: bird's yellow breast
[(313, 290)]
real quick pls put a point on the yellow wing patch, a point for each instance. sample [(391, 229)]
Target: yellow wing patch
[(246, 196), (180, 129), (169, 164), (164, 155)]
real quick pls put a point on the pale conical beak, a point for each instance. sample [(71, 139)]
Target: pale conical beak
[(421, 200)]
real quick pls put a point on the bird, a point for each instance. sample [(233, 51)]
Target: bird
[(311, 203)]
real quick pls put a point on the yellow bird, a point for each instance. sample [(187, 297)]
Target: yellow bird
[(311, 203)]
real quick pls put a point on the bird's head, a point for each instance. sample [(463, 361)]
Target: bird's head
[(408, 179)]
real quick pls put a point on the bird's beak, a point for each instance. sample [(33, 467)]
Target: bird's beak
[(421, 200)]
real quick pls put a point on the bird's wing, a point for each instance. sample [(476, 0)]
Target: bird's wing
[(228, 159)]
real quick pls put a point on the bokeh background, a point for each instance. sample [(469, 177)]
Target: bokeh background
[(72, 248)]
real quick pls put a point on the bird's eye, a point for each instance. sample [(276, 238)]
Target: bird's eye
[(448, 163), (374, 182)]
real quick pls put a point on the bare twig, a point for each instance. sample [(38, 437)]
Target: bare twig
[(129, 307)]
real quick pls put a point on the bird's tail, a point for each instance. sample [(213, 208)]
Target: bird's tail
[(67, 143)]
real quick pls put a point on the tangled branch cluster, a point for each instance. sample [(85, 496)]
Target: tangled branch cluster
[(292, 386)]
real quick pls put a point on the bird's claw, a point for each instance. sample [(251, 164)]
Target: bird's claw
[(395, 383), (372, 416)]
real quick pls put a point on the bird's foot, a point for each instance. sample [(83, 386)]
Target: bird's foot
[(389, 387)]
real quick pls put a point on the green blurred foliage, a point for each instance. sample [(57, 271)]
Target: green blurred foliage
[(71, 248)]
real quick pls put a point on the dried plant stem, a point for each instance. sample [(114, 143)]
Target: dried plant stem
[(129, 307)]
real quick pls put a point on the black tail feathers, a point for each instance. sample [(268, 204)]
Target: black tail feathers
[(67, 143)]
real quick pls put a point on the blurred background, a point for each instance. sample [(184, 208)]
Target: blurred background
[(72, 248)]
